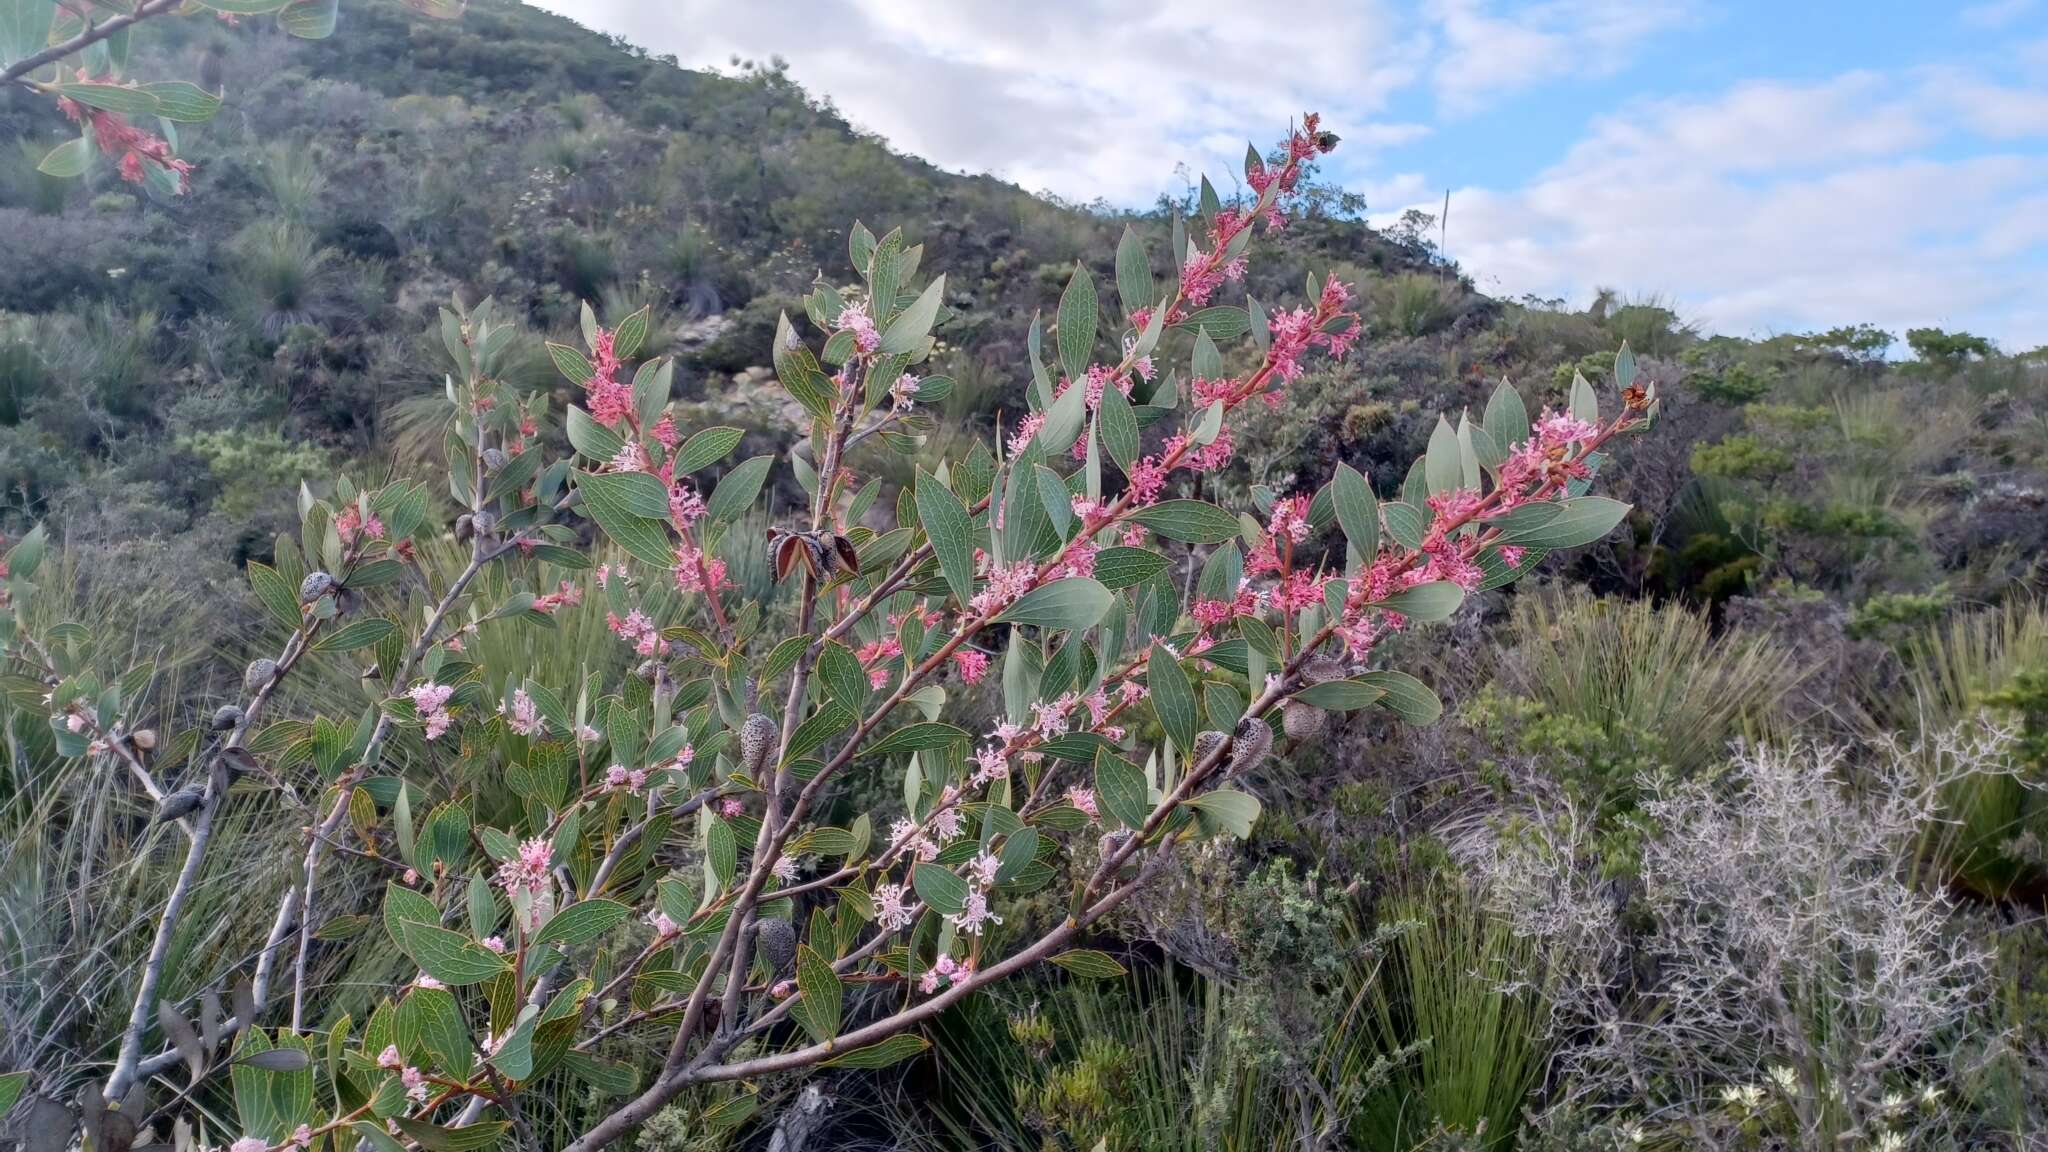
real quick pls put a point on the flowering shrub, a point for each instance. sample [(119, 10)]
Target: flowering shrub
[(76, 54), (1036, 570)]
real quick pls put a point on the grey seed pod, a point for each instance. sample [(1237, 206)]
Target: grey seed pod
[(777, 941), (1254, 738), (757, 741), (494, 459), (259, 672), (464, 529), (1205, 743), (180, 804), (226, 717), (1113, 841), (485, 522), (144, 738), (1303, 721), (314, 586), (1321, 669)]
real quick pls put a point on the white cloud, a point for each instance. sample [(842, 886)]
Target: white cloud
[(1775, 206), (1996, 14), (1485, 55), (1084, 98)]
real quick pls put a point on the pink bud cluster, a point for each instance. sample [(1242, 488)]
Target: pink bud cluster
[(350, 522), (696, 572), (523, 716), (115, 136), (526, 871), (639, 631), (431, 701), (854, 318), (611, 399)]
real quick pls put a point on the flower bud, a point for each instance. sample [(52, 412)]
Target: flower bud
[(1302, 721), (757, 740), (259, 672), (314, 586), (1254, 738), (777, 941)]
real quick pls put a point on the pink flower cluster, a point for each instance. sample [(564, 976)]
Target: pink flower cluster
[(115, 136), (565, 593), (431, 700), (523, 717), (526, 873), (944, 970), (973, 664), (1005, 584), (610, 398), (696, 572), (975, 914), (350, 521), (639, 631), (854, 318), (892, 907), (619, 778)]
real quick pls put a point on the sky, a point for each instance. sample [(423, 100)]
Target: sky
[(1762, 167)]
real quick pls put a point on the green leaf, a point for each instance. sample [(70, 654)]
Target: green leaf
[(907, 331), (67, 159), (1624, 366), (951, 532), (1134, 283), (819, 727), (112, 97), (450, 957), (1441, 468), (184, 102), (1120, 789), (1233, 811), (1507, 418), (571, 363), (1581, 520), (376, 1137), (1220, 323), (919, 738), (737, 490), (636, 493), (1089, 964), (469, 1138), (611, 505), (894, 1050), (279, 598), (706, 448), (1173, 697), (629, 333), (590, 438), (1406, 697), (1423, 603), (939, 888), (1357, 510), (310, 19), (11, 1085), (1077, 318), (1064, 420), (1119, 568), (1070, 604), (1340, 695), (1189, 521), (1584, 403), (1404, 523), (1119, 427), (822, 992), (581, 923), (356, 634), (844, 678)]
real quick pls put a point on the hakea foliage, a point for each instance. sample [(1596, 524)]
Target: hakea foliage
[(1033, 570), (76, 53)]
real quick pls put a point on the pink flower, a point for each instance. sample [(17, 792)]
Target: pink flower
[(524, 716), (685, 506), (526, 872), (350, 522), (425, 981), (1084, 799), (1026, 429), (1148, 478), (1512, 555), (854, 318), (619, 778), (731, 806), (1210, 613), (390, 1057), (892, 907), (431, 700), (415, 1085), (877, 677), (981, 871), (665, 432), (495, 944), (784, 869), (302, 1135), (1004, 585), (974, 916), (610, 399), (904, 392), (662, 925), (251, 1143), (696, 572), (990, 764), (946, 823), (630, 457), (973, 664), (1080, 559)]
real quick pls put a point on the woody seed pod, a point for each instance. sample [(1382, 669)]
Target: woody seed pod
[(1113, 841), (259, 672), (1254, 739), (1322, 669), (494, 459), (314, 586), (1205, 743), (777, 941), (144, 738), (1302, 721), (227, 717), (757, 740)]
